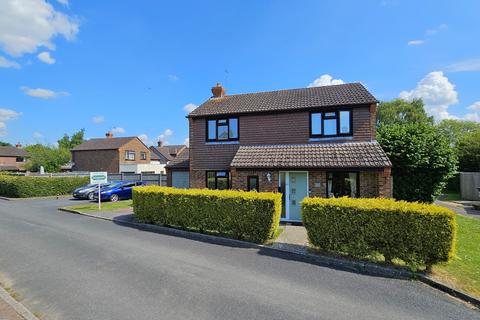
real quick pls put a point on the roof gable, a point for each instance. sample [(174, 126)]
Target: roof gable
[(286, 100)]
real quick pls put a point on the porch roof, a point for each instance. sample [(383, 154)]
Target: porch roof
[(310, 156)]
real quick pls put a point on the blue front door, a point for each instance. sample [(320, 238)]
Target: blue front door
[(297, 190)]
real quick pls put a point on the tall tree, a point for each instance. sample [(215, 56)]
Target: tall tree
[(469, 151), (50, 158), (5, 144), (67, 142), (422, 160), (399, 111), (454, 130)]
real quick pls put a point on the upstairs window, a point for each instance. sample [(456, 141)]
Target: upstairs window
[(129, 155), (222, 129), (143, 155), (331, 123)]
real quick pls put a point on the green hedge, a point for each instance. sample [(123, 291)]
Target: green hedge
[(242, 215), (24, 187), (413, 232)]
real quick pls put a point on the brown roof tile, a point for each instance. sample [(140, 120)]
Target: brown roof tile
[(9, 151), (182, 160), (331, 155), (103, 143), (286, 100)]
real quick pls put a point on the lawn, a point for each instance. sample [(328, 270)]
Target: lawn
[(106, 206), (463, 272), (451, 196)]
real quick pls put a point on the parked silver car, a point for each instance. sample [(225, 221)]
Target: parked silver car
[(88, 191)]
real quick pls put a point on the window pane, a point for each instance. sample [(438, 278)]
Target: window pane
[(341, 184), (233, 128), (344, 121), (222, 174), (252, 183), (329, 114), (316, 123), (222, 121), (211, 180), (222, 132), (212, 129), (222, 183), (330, 127)]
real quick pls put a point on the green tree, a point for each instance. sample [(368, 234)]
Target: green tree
[(454, 130), (422, 160), (5, 144), (50, 158), (67, 142), (399, 111), (469, 151)]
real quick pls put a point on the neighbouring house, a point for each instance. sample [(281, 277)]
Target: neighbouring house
[(163, 154), (114, 155), (316, 141), (13, 158), (178, 170)]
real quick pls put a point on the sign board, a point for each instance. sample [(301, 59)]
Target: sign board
[(98, 177)]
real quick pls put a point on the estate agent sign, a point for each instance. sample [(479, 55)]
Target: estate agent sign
[(98, 178)]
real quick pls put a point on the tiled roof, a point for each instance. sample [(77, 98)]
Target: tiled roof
[(168, 152), (103, 144), (182, 160), (9, 151), (285, 100), (331, 155)]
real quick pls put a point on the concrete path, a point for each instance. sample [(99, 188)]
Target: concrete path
[(70, 266), (293, 238), (464, 208)]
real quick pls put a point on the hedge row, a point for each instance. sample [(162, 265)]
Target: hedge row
[(24, 187), (242, 215), (416, 233)]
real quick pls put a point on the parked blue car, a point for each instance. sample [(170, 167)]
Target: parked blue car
[(118, 191)]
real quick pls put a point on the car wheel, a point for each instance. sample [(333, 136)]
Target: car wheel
[(91, 195), (114, 198)]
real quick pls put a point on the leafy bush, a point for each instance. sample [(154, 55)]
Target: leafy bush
[(242, 215), (414, 232), (23, 187), (422, 160)]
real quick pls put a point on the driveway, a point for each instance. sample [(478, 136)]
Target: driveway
[(68, 266)]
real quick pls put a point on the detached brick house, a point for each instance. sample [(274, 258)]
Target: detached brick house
[(13, 158), (302, 142), (114, 155)]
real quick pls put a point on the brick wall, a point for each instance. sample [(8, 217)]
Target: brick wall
[(368, 184), (198, 179), (96, 160), (385, 183), (280, 128), (137, 146), (240, 180), (317, 183)]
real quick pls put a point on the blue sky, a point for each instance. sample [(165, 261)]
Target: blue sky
[(133, 66)]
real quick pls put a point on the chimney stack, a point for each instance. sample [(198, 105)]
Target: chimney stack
[(109, 135), (218, 91), (18, 145), (160, 143)]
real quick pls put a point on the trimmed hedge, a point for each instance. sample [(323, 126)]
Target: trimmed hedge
[(413, 232), (251, 216), (24, 187)]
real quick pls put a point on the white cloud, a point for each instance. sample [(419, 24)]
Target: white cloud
[(186, 142), (475, 106), (118, 130), (145, 139), (5, 116), (436, 92), (415, 42), (466, 65), (37, 135), (165, 135), (434, 31), (64, 2), (189, 107), (325, 80), (43, 93), (173, 77), (45, 57), (26, 25), (5, 63), (98, 119)]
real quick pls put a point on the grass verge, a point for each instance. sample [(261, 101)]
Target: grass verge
[(463, 272), (106, 206), (451, 196)]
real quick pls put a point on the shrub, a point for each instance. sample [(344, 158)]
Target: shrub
[(242, 215), (414, 232), (23, 187)]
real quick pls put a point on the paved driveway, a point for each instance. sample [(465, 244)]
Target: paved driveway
[(69, 266)]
